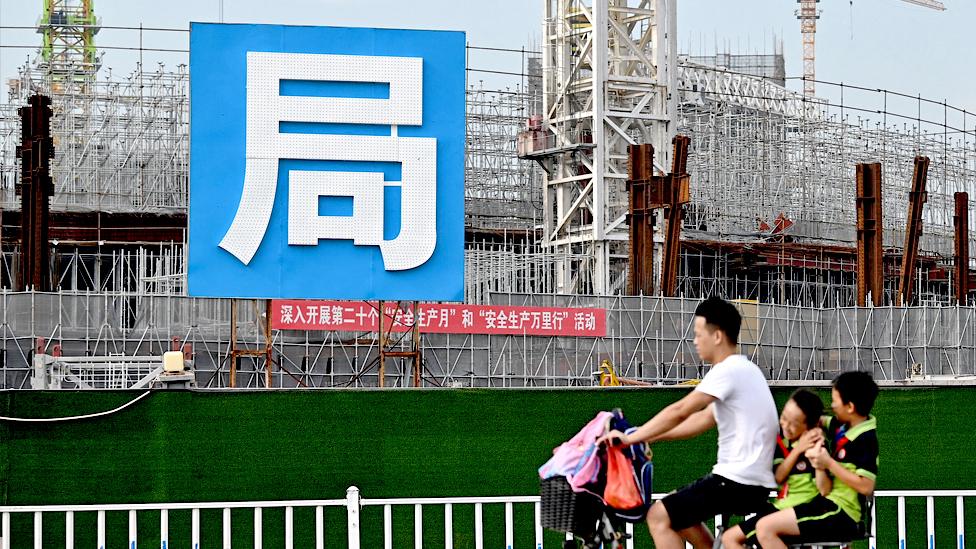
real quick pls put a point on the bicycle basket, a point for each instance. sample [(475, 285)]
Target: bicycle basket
[(564, 510)]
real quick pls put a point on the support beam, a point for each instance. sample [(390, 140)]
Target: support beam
[(265, 353), (640, 217), (913, 232), (677, 195), (961, 223), (870, 253), (36, 188), (392, 337), (649, 192)]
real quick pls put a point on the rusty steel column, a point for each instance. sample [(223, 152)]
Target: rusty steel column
[(961, 222), (870, 253), (677, 195), (640, 218), (35, 188), (391, 338), (265, 352), (913, 232)]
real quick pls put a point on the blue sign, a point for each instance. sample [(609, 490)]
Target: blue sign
[(326, 162)]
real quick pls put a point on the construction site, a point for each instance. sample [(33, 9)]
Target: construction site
[(610, 170)]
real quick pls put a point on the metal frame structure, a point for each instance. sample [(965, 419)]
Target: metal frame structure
[(649, 339), (122, 144), (608, 77), (68, 52)]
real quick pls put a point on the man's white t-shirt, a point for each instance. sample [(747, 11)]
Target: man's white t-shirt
[(747, 421)]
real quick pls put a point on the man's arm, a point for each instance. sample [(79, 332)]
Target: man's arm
[(667, 419), (696, 424)]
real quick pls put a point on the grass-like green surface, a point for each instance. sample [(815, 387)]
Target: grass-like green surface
[(284, 445)]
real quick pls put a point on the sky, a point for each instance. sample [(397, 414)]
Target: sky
[(885, 44)]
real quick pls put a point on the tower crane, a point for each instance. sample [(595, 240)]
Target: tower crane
[(808, 15)]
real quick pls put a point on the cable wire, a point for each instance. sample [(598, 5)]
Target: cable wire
[(73, 418)]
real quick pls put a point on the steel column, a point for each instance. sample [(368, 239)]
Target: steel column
[(913, 232), (961, 222), (870, 253)]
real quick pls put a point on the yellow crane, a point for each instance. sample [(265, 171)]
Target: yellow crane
[(808, 15)]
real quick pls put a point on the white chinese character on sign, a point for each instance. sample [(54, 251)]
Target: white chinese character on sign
[(337, 316), (513, 320), (489, 317), (557, 319), (590, 322), (546, 320), (266, 145), (579, 322), (312, 313), (325, 314), (286, 314), (467, 318), (444, 318), (362, 314)]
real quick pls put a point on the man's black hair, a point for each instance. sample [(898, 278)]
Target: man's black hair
[(810, 404), (721, 315), (857, 388)]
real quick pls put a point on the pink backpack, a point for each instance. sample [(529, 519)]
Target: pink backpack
[(576, 459)]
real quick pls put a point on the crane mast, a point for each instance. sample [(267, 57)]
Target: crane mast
[(808, 15)]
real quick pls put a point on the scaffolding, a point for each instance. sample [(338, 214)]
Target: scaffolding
[(750, 164), (121, 144), (500, 190), (649, 339), (609, 74), (770, 223)]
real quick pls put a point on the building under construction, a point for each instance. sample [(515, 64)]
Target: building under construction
[(837, 226)]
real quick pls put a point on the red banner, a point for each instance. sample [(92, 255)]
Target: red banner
[(435, 318)]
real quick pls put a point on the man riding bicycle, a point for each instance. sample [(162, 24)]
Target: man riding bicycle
[(735, 397)]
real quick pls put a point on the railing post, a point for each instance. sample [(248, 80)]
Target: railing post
[(509, 526), (38, 530), (352, 516), (873, 539), (6, 531), (226, 526), (69, 530), (448, 526), (960, 524), (418, 526), (538, 525), (258, 528), (319, 528), (100, 528), (901, 522), (479, 542), (289, 527), (195, 529), (164, 529)]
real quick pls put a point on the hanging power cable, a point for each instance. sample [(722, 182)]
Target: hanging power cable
[(72, 418)]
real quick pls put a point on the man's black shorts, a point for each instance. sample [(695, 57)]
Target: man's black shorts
[(709, 496)]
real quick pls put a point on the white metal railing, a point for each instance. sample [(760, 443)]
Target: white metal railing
[(95, 372), (354, 503)]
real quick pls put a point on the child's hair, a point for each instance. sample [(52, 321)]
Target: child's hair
[(857, 388), (811, 406), (721, 314)]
